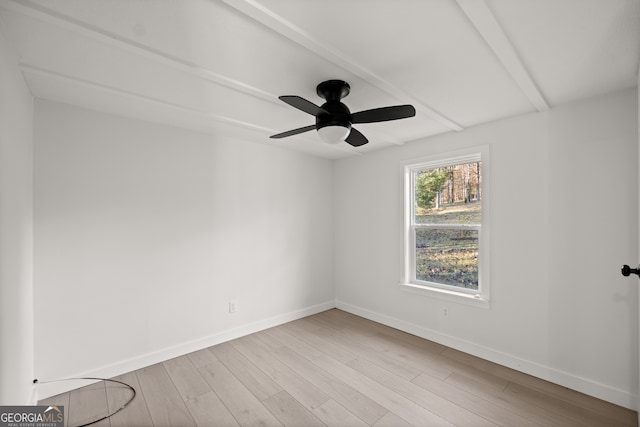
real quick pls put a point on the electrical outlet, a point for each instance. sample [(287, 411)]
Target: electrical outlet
[(445, 312), (233, 306)]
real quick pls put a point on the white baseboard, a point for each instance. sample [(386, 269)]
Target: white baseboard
[(565, 379), (44, 390)]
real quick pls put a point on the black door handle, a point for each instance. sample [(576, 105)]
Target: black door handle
[(626, 270)]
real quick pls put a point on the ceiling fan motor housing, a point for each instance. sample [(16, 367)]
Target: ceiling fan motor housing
[(339, 115)]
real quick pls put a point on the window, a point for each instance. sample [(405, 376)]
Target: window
[(445, 239)]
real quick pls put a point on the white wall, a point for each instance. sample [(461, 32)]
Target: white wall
[(16, 231), (563, 220), (144, 233)]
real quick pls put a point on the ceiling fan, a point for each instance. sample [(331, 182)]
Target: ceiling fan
[(333, 118)]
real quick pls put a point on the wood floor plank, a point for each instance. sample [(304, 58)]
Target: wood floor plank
[(253, 378), (473, 403), (341, 392), (479, 376), (398, 367), (338, 320), (613, 412), (440, 406), (335, 415), (399, 340), (301, 389), (411, 340), (424, 358), (201, 358), (207, 410), (417, 357), (292, 340), (243, 405), (392, 420), (493, 373), (186, 378), (326, 346), (367, 327), (265, 341), (341, 320), (165, 404), (546, 403), (389, 399), (510, 403), (88, 404), (136, 413), (381, 395), (306, 324), (290, 412)]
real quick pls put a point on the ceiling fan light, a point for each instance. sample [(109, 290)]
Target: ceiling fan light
[(334, 134)]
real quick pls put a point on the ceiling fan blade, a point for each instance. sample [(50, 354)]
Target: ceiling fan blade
[(384, 114), (293, 132), (355, 138), (302, 104)]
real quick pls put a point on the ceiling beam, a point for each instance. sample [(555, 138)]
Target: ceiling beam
[(116, 40), (30, 69), (258, 12), (485, 22)]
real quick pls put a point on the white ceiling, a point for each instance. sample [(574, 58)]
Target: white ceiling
[(219, 65)]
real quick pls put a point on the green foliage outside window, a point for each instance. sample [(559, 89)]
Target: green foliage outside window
[(429, 183)]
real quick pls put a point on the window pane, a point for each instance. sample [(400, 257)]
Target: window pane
[(449, 195), (449, 257)]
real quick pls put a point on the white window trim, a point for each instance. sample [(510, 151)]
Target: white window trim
[(408, 282)]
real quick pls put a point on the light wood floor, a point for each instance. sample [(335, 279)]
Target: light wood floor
[(335, 369)]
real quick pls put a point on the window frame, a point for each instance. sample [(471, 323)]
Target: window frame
[(409, 282)]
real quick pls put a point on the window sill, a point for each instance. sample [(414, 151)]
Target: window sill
[(445, 294)]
